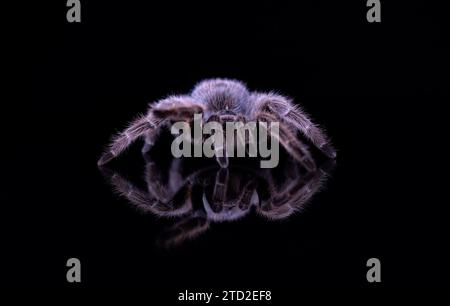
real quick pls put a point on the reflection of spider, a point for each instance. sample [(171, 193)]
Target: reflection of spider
[(198, 196), (222, 100)]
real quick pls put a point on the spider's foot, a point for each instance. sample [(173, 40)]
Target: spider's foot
[(106, 157), (329, 151)]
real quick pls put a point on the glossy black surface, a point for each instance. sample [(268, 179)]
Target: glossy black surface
[(374, 87)]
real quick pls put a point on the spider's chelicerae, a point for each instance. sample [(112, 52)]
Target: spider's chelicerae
[(223, 100)]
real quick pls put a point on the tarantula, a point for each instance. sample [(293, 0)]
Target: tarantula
[(224, 100), (200, 194)]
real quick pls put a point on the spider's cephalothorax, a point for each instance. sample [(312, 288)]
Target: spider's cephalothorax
[(223, 100), (222, 97)]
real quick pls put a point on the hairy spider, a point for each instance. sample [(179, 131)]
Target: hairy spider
[(196, 196), (224, 100)]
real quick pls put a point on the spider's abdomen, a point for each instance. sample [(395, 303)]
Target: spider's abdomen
[(222, 94)]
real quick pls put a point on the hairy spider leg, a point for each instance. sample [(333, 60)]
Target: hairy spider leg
[(175, 108), (288, 140), (285, 111)]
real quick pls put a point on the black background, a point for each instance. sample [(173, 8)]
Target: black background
[(375, 87)]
